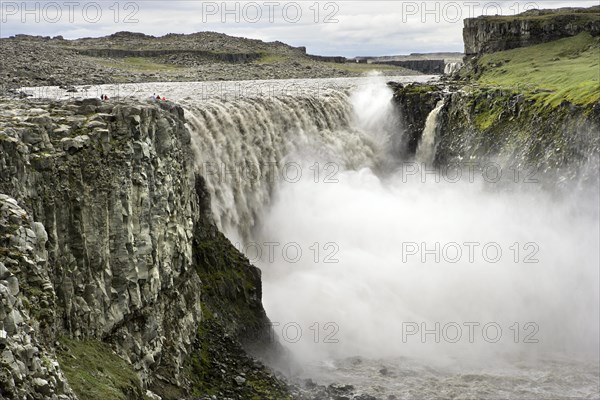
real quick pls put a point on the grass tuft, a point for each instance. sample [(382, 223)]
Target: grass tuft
[(549, 73), (95, 372)]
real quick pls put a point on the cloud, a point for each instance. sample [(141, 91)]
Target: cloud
[(346, 27)]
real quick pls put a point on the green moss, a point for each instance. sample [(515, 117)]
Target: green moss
[(10, 253), (199, 368), (550, 73), (37, 302), (232, 314), (581, 15), (231, 284), (9, 229), (488, 117), (95, 372), (489, 123)]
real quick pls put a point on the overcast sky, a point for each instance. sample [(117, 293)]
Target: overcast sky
[(348, 28)]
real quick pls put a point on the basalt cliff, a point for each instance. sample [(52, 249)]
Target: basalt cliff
[(492, 34), (115, 282), (527, 97)]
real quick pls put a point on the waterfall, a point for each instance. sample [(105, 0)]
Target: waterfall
[(426, 150), (392, 287), (377, 252), (452, 67), (245, 148)]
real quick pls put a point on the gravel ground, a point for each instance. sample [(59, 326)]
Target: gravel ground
[(131, 58)]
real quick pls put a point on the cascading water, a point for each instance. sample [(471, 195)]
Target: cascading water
[(361, 262), (426, 150), (247, 147), (452, 67), (390, 277)]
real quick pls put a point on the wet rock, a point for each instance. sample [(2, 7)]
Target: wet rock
[(75, 144), (152, 396), (4, 273), (310, 384), (102, 286), (42, 386), (336, 389), (13, 285), (365, 397)]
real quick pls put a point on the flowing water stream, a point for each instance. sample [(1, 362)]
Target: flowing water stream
[(399, 284)]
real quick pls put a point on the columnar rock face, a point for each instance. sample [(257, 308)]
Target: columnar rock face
[(99, 210), (106, 236), (27, 301), (111, 186), (485, 34), (424, 66)]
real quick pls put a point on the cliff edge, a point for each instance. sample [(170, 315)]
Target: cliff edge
[(113, 277), (489, 34)]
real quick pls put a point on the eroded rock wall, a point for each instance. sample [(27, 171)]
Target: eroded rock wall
[(111, 186), (28, 367), (414, 102), (504, 127), (488, 34)]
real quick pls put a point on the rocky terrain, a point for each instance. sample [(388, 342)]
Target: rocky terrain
[(528, 99), (127, 57), (431, 63), (115, 283)]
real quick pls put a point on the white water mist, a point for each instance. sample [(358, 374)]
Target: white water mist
[(372, 293), (364, 216), (546, 279), (245, 148)]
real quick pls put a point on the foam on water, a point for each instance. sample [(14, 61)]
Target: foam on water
[(356, 289)]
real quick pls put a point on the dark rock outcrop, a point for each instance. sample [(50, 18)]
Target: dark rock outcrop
[(504, 127), (488, 34), (424, 66), (235, 58), (333, 59), (508, 128), (414, 103)]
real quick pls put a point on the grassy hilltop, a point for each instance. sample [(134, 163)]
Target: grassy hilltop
[(550, 73)]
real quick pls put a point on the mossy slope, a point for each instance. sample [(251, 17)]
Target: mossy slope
[(549, 73), (95, 372)]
